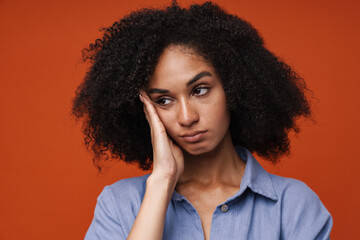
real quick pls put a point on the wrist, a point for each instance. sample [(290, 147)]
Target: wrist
[(159, 181)]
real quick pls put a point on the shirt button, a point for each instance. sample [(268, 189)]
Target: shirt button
[(224, 208)]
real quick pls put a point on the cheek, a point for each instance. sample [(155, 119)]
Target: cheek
[(218, 112), (220, 119), (167, 120)]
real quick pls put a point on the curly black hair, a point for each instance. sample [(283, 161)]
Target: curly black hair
[(265, 96)]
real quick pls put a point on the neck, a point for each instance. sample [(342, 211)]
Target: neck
[(220, 166)]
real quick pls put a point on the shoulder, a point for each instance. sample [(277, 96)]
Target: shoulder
[(128, 191), (116, 209), (128, 186), (123, 198), (302, 212), (295, 195), (292, 189)]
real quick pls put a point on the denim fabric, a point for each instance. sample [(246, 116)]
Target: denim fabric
[(266, 207)]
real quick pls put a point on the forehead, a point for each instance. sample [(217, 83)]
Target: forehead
[(178, 64)]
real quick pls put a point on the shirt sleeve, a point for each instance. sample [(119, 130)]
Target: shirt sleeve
[(105, 224), (304, 215)]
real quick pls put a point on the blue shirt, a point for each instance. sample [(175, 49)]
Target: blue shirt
[(266, 207)]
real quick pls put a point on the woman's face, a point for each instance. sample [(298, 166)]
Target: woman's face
[(190, 100)]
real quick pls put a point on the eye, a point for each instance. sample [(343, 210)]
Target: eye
[(163, 101), (201, 90)]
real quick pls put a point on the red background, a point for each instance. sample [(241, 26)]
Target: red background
[(47, 182)]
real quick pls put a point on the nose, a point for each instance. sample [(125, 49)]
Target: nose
[(187, 114)]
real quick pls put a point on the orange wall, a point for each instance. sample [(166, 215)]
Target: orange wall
[(47, 182)]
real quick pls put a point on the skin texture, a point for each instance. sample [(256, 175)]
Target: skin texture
[(187, 109), (181, 103)]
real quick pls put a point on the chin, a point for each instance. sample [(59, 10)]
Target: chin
[(197, 149)]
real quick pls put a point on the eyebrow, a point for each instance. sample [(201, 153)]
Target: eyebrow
[(189, 83)]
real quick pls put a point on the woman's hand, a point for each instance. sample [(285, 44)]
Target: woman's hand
[(168, 167), (168, 160)]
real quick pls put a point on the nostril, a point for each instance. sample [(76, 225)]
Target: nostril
[(188, 118)]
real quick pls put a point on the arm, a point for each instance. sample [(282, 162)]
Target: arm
[(168, 166), (149, 223)]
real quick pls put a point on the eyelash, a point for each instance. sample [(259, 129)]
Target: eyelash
[(158, 101)]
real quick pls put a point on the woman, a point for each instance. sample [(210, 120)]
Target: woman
[(212, 94)]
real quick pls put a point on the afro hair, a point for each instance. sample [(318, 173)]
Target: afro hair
[(265, 96)]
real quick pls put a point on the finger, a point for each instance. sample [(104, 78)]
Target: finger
[(151, 113), (145, 103)]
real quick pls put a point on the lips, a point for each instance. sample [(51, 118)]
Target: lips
[(190, 134), (192, 137)]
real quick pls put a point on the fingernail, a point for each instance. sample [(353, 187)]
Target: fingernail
[(141, 99)]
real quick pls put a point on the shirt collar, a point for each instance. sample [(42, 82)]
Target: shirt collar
[(256, 178)]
